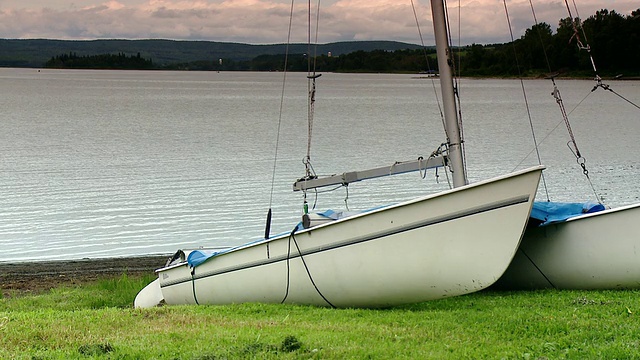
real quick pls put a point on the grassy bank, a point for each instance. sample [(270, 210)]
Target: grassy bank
[(97, 320)]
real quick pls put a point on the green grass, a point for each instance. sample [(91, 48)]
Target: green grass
[(98, 322)]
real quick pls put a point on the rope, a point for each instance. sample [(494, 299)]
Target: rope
[(311, 89), (576, 23), (537, 268), (526, 101), (193, 285), (275, 155), (292, 237), (446, 174), (311, 79), (439, 151), (346, 198), (286, 293)]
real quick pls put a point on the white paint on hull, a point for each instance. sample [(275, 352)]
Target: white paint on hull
[(592, 251), (442, 245)]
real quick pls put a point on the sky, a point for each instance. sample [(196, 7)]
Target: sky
[(266, 21)]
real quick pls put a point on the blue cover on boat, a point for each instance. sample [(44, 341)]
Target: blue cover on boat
[(198, 257), (547, 212)]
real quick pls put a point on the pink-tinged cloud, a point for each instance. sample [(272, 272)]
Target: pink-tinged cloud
[(266, 21)]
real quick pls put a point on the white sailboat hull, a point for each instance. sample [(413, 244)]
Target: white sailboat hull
[(150, 296), (592, 251), (448, 244)]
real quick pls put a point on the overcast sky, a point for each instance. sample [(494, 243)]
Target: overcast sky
[(266, 21)]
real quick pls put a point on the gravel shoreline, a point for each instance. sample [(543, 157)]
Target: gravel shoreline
[(37, 276)]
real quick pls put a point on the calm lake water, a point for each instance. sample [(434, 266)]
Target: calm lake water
[(114, 163)]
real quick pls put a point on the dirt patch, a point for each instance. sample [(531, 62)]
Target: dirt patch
[(38, 276)]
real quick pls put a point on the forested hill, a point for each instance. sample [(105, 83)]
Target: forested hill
[(610, 38), (36, 52)]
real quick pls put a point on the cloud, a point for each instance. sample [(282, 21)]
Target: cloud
[(266, 21)]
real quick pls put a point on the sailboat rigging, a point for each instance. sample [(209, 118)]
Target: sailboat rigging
[(579, 245), (446, 244)]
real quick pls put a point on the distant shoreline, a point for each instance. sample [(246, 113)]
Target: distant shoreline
[(416, 76)]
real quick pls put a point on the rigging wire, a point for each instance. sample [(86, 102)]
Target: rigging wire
[(524, 94), (552, 130), (557, 96), (544, 50), (435, 91), (546, 57), (600, 84), (456, 86), (581, 160), (275, 156), (309, 171), (576, 23), (457, 78), (311, 84), (426, 58), (311, 88), (311, 81)]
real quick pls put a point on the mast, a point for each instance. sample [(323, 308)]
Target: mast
[(445, 62)]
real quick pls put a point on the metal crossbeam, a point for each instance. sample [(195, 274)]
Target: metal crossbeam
[(353, 176)]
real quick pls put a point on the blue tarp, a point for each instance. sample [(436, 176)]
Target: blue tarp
[(543, 212), (198, 257), (547, 212)]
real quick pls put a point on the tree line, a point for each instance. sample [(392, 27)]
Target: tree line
[(608, 37), (103, 61), (357, 61)]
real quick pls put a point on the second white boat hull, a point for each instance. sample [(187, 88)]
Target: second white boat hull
[(448, 244), (593, 251)]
